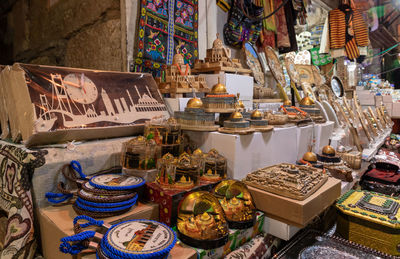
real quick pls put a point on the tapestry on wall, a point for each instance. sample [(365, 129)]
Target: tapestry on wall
[(165, 27), (16, 169)]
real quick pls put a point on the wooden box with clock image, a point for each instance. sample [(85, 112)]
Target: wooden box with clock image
[(44, 104)]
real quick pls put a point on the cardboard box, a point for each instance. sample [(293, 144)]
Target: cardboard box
[(56, 222), (387, 99), (378, 99), (366, 97), (58, 104), (177, 252), (170, 199), (396, 110), (279, 229), (294, 212), (237, 237)]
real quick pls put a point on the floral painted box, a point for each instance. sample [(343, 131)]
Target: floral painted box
[(44, 104), (370, 219)]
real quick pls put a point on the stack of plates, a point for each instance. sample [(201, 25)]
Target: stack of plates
[(107, 195)]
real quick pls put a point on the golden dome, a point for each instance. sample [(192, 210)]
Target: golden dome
[(328, 150), (241, 104), (178, 59), (197, 152), (256, 114), (236, 115), (287, 102), (194, 103), (217, 44), (307, 101), (219, 88), (310, 157)]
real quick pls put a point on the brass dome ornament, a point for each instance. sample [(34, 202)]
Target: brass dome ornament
[(197, 152), (328, 150), (287, 103), (256, 114), (195, 103), (310, 157), (306, 101), (236, 115), (219, 88)]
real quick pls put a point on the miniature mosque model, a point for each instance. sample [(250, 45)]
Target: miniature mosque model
[(195, 118), (218, 58), (258, 123), (219, 100), (178, 78), (236, 124)]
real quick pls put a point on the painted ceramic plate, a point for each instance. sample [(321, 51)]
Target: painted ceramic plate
[(337, 86), (116, 182), (275, 66), (331, 113), (290, 67), (144, 238), (305, 73)]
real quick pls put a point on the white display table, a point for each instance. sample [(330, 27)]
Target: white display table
[(247, 153)]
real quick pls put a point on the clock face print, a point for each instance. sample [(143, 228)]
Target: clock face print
[(337, 87), (80, 88)]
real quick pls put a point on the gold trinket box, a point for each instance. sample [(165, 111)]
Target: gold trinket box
[(370, 219)]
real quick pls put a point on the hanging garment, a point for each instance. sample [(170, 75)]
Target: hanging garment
[(283, 40), (347, 30)]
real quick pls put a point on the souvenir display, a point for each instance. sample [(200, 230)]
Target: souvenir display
[(187, 174), (261, 92), (295, 114), (276, 70), (370, 219), (99, 196), (166, 133), (374, 120), (253, 62), (382, 177), (258, 123), (137, 238), (201, 221), (166, 171), (236, 124), (218, 59), (393, 142), (178, 79), (288, 180), (237, 203), (276, 118), (308, 105), (260, 246), (215, 167), (195, 118), (140, 153), (292, 72), (314, 244), (337, 86), (361, 118), (219, 100), (59, 104)]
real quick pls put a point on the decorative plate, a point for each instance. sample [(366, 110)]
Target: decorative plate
[(305, 73), (89, 196), (275, 66), (138, 239), (290, 67), (253, 61), (303, 58), (116, 182), (337, 86)]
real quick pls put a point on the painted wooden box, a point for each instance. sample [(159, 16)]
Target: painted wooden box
[(43, 104), (370, 219)]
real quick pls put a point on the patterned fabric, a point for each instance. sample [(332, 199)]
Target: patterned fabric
[(16, 169), (320, 59), (166, 26), (348, 29), (316, 34), (240, 28), (283, 40)]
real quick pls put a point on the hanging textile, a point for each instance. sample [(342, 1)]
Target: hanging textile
[(283, 40), (290, 18), (347, 30), (166, 26), (301, 12), (243, 25)]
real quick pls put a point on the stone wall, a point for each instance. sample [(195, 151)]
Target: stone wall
[(75, 33)]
